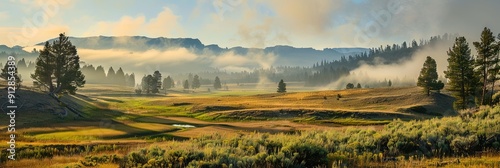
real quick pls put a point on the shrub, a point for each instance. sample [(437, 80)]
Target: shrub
[(307, 155)]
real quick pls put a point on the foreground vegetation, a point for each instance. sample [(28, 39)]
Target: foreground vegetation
[(456, 137), (469, 140)]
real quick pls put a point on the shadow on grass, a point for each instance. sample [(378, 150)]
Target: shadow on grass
[(95, 117)]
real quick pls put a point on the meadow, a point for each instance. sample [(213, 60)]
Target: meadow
[(252, 126)]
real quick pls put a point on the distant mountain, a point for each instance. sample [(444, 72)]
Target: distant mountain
[(17, 51), (286, 55), (14, 49)]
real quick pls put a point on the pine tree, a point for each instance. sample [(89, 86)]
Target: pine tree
[(131, 80), (358, 86), (168, 83), (111, 76), (281, 87), (460, 73), (217, 84), (389, 83), (428, 78), (100, 75), (157, 77), (186, 84), (60, 62), (145, 84), (21, 64), (485, 61), (119, 77), (9, 73), (196, 82), (152, 84)]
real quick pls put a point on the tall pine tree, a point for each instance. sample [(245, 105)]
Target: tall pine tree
[(485, 61), (58, 67), (460, 73)]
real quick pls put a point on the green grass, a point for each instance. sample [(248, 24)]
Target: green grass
[(77, 135), (356, 121), (342, 121)]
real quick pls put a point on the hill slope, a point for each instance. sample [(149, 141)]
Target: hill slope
[(378, 103)]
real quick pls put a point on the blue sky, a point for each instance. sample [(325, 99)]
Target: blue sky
[(259, 23)]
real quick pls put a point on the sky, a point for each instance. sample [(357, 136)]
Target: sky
[(249, 23)]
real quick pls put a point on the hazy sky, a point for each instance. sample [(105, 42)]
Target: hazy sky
[(258, 23)]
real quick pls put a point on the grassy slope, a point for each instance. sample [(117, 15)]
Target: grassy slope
[(116, 105)]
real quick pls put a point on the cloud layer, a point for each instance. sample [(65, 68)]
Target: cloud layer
[(163, 25)]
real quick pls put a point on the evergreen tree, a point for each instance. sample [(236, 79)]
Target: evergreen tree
[(60, 62), (100, 75), (460, 73), (196, 82), (358, 86), (120, 77), (186, 84), (389, 83), (217, 84), (281, 87), (428, 78), (127, 77), (111, 76), (145, 84), (152, 84), (349, 86), (157, 77), (21, 64), (168, 83), (485, 61), (9, 73), (495, 69), (131, 80)]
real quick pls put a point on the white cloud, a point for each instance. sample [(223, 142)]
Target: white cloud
[(164, 24)]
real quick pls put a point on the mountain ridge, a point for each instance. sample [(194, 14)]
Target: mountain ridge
[(286, 54)]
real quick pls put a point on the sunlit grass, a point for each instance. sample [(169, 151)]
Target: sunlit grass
[(153, 127), (83, 134)]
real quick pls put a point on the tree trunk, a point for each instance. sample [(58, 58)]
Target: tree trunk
[(492, 89), (485, 82)]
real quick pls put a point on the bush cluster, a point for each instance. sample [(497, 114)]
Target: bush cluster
[(399, 140)]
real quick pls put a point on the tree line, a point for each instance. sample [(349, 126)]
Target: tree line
[(471, 79), (325, 72), (153, 83), (96, 75)]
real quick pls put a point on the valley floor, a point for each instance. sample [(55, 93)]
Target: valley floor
[(117, 123)]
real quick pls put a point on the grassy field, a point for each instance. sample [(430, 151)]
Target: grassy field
[(116, 121)]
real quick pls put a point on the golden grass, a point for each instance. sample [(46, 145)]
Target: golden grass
[(147, 116), (55, 162), (81, 134)]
